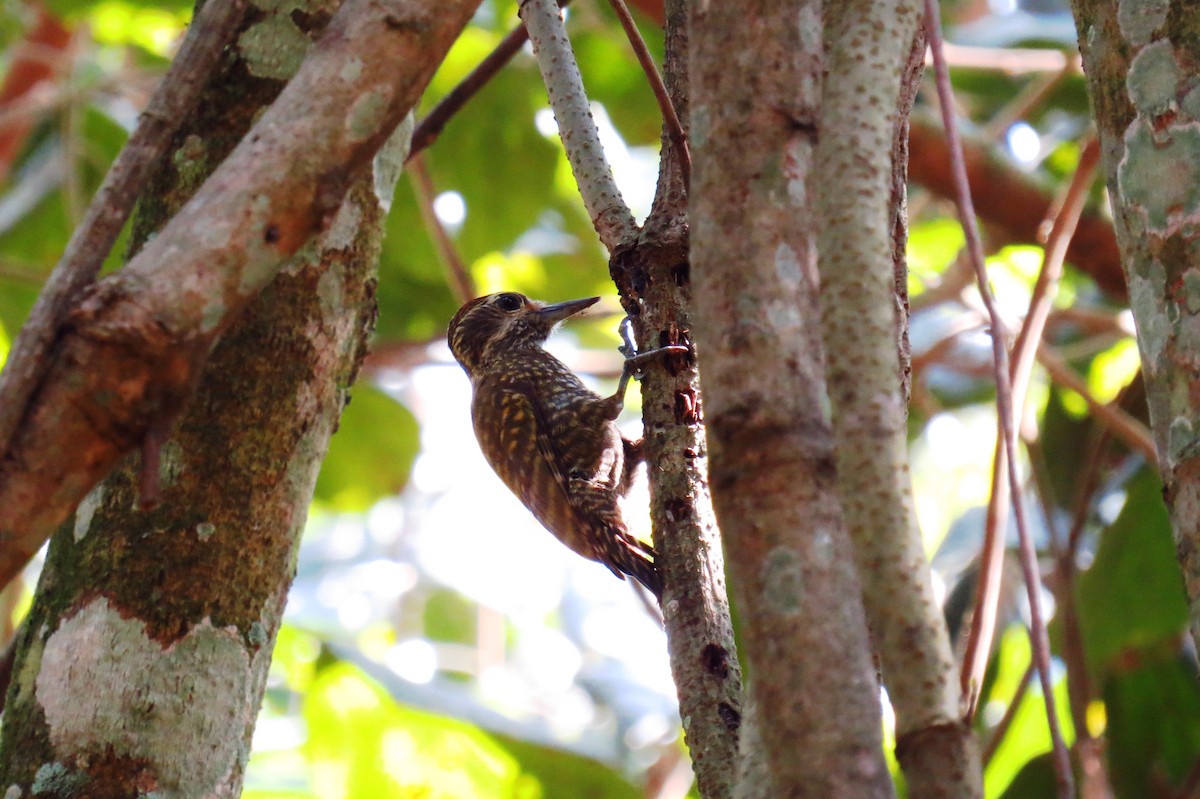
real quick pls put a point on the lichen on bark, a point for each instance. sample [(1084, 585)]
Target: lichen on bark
[(191, 592), (1140, 60)]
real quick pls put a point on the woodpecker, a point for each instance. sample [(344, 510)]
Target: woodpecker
[(551, 440)]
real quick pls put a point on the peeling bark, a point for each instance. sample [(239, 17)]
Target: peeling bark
[(174, 611)]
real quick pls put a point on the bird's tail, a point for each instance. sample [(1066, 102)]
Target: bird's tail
[(628, 555)]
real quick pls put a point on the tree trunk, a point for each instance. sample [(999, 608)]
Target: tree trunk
[(654, 277), (144, 657), (812, 682), (1140, 60)]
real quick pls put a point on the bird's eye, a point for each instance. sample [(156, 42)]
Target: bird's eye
[(508, 302)]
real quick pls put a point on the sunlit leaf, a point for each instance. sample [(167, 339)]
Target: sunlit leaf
[(295, 656), (361, 744), (150, 26), (1113, 369), (932, 246), (1028, 736)]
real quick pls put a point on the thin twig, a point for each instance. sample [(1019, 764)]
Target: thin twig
[(457, 274), (1125, 427), (1079, 685), (1012, 60), (94, 238), (606, 207), (430, 127), (1004, 401), (19, 274), (1026, 101), (983, 621), (670, 118), (33, 64)]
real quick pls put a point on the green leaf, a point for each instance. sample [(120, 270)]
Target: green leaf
[(932, 246), (1132, 597), (371, 454), (1153, 726), (362, 744), (450, 617), (1028, 736), (1036, 779)]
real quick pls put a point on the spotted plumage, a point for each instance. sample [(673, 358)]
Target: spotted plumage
[(551, 440)]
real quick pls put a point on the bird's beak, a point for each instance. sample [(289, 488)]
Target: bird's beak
[(553, 314)]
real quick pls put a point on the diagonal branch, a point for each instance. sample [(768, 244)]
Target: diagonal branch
[(609, 213), (670, 118), (458, 276), (987, 599), (96, 234), (136, 343), (429, 128)]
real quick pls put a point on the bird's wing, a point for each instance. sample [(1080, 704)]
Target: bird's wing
[(515, 438)]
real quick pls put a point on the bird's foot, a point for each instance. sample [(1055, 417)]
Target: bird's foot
[(634, 361)]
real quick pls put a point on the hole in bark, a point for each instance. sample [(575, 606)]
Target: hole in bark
[(716, 660)]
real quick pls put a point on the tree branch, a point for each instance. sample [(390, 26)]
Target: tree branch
[(652, 274), (670, 119), (429, 128), (1012, 204), (135, 345), (1004, 402), (457, 275), (1041, 301), (93, 239), (867, 43), (35, 59), (610, 215)]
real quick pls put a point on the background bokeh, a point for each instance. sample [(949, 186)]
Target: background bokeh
[(438, 642)]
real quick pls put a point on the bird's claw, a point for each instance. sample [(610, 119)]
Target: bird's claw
[(628, 348), (635, 360)]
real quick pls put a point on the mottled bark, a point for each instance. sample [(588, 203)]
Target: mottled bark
[(756, 78), (654, 278), (144, 657), (135, 343), (867, 46), (1140, 60)]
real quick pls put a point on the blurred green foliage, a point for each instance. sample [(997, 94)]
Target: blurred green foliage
[(525, 229)]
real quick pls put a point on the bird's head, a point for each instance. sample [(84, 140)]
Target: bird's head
[(489, 326)]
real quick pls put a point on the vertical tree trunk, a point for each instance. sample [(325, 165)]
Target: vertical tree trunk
[(1140, 60), (144, 657), (654, 279), (756, 78), (868, 44)]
